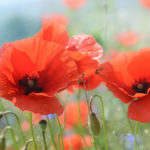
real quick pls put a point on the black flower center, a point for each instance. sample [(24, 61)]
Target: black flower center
[(30, 84), (141, 86)]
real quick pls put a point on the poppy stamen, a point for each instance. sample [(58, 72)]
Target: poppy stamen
[(141, 86), (30, 83)]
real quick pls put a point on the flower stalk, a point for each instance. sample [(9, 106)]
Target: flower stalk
[(8, 124), (32, 132), (61, 132), (18, 122), (103, 119), (43, 125), (26, 144), (51, 133), (2, 137), (135, 135)]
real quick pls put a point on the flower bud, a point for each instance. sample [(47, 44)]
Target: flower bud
[(2, 143), (94, 124), (43, 125)]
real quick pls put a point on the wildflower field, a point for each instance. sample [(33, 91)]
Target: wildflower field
[(74, 75)]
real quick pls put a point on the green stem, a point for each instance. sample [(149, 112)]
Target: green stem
[(8, 128), (60, 130), (103, 119), (80, 121), (135, 135), (11, 131), (51, 133), (95, 145), (32, 132), (78, 100), (18, 122), (26, 144), (44, 140)]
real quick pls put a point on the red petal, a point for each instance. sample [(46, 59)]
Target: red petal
[(139, 66), (54, 32), (22, 64), (92, 82), (72, 70), (113, 82), (38, 50), (139, 110), (54, 77), (84, 63), (39, 103), (86, 44)]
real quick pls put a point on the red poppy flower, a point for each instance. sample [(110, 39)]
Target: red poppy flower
[(76, 142), (30, 74), (83, 49), (145, 3), (60, 18), (87, 53), (74, 4), (129, 38), (128, 77), (72, 114)]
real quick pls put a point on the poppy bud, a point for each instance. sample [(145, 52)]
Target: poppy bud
[(2, 143), (43, 125), (94, 124)]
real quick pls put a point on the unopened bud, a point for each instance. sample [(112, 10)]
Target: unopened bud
[(43, 125), (2, 143), (94, 124)]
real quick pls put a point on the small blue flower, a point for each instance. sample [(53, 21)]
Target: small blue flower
[(50, 116), (129, 141)]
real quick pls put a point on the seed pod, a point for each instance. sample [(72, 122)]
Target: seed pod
[(2, 143), (43, 125), (94, 124)]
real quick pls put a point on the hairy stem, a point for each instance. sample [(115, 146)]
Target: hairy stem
[(32, 132)]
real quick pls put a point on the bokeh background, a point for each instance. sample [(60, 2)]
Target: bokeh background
[(107, 21)]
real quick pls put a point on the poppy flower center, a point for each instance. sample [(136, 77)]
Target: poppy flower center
[(30, 84), (141, 86)]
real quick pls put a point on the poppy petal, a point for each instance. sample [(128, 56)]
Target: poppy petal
[(22, 64), (54, 32), (139, 66), (86, 44), (39, 103), (112, 82), (39, 50), (92, 82), (140, 109), (54, 79)]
